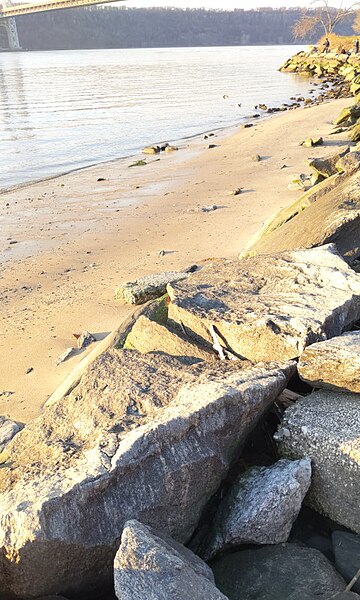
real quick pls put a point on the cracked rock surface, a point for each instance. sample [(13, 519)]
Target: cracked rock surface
[(270, 308), (141, 437)]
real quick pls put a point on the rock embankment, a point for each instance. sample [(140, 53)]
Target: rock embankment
[(197, 423)]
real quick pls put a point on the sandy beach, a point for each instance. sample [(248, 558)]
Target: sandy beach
[(66, 243)]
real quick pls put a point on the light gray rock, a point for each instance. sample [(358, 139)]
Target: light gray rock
[(151, 565), (261, 506), (333, 364), (347, 555), (280, 572), (325, 427), (270, 307), (8, 429), (147, 288), (142, 436)]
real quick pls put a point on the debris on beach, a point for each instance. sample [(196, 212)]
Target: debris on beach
[(256, 157), (310, 142), (209, 208), (84, 339), (151, 150), (65, 355), (138, 163)]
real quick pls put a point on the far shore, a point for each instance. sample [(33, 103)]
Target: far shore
[(69, 241)]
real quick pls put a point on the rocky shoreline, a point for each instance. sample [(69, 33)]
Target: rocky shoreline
[(210, 447)]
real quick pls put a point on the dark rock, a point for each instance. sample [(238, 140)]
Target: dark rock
[(277, 573), (347, 555)]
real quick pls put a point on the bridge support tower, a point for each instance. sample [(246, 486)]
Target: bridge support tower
[(9, 24)]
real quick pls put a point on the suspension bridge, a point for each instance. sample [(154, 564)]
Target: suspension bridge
[(9, 11)]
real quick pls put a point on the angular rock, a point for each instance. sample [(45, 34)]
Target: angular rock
[(333, 364), (85, 339), (261, 506), (354, 134), (334, 217), (347, 555), (8, 429), (310, 142), (325, 427), (277, 573), (326, 166), (142, 436), (350, 163), (349, 112), (273, 306), (151, 565), (148, 336), (146, 288)]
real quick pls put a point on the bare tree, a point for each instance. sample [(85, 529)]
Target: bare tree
[(323, 16)]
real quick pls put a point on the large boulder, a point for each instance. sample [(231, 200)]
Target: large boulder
[(334, 217), (273, 306), (150, 565), (142, 436), (277, 573), (290, 211), (333, 364), (8, 430), (347, 555), (326, 166), (149, 336), (325, 427), (261, 506), (350, 112)]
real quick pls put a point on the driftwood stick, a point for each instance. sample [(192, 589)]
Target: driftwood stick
[(216, 345), (353, 581)]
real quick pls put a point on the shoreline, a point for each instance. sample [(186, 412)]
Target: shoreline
[(89, 236)]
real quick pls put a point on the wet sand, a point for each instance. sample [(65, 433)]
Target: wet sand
[(66, 243)]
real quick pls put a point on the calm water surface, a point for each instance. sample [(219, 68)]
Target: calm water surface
[(64, 110)]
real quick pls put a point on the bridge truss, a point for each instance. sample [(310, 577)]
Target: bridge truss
[(9, 12)]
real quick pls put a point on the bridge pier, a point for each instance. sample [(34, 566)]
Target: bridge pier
[(9, 24)]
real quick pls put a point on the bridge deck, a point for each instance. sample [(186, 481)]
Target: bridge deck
[(25, 9)]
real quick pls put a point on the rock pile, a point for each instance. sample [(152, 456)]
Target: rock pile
[(207, 421)]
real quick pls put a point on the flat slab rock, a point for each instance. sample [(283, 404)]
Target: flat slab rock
[(333, 364), (277, 573), (147, 288), (150, 565), (270, 307), (334, 217), (325, 427), (141, 437), (261, 506)]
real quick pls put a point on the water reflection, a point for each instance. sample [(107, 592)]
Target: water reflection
[(63, 110)]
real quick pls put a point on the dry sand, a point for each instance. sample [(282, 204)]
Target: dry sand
[(77, 238)]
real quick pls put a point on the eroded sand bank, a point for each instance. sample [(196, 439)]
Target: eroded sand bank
[(77, 237)]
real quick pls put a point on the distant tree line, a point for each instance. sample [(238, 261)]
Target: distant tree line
[(113, 27)]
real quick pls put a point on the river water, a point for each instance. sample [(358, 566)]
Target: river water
[(64, 110)]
